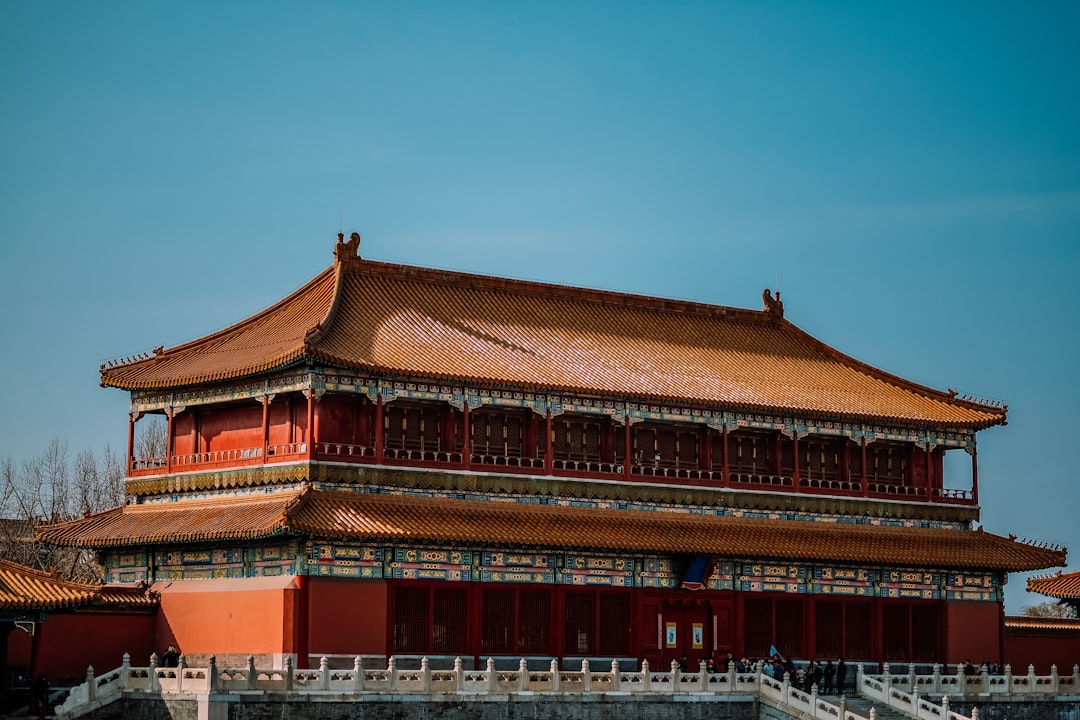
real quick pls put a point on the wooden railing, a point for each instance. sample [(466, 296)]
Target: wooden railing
[(561, 467)]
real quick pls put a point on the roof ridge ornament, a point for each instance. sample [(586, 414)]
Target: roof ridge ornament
[(773, 306), (344, 250)]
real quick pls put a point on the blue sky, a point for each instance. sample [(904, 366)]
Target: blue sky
[(909, 174)]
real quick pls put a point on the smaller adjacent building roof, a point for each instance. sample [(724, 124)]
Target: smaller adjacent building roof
[(409, 519), (1064, 586), (26, 589)]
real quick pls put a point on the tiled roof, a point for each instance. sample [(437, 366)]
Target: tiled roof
[(23, 588), (1024, 622), (125, 597), (1059, 585), (392, 518), (455, 327), (177, 522)]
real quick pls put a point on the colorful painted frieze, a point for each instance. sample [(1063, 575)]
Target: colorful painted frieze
[(722, 576), (598, 571), (910, 584), (854, 582), (431, 564), (764, 577)]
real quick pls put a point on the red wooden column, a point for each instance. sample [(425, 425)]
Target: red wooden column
[(169, 443), (310, 422), (131, 442), (549, 461), (929, 477), (863, 479), (974, 474), (727, 464), (265, 427), (379, 444), (795, 475), (705, 455), (628, 453), (466, 449)]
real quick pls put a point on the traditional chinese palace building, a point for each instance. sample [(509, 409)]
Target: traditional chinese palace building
[(395, 460)]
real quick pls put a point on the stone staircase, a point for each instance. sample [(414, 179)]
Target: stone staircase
[(861, 707)]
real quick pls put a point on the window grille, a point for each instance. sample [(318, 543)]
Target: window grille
[(410, 620), (449, 621), (580, 623), (614, 624), (498, 622), (534, 621)]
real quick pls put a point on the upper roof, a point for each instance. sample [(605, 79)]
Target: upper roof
[(455, 327), (391, 518), (1064, 586), (23, 588)]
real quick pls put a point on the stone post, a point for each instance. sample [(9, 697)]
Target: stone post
[(1008, 679), (974, 713), (391, 672), (1054, 681), (523, 676), (586, 676), (288, 672), (252, 674), (211, 674), (911, 677), (703, 675), (181, 665), (125, 670), (358, 674), (731, 676), (459, 675), (676, 676), (324, 673), (1033, 683), (936, 686), (155, 684), (425, 675), (556, 675), (91, 684), (614, 674), (492, 676), (858, 678), (1076, 676), (984, 678), (646, 676), (961, 679), (843, 708), (945, 706)]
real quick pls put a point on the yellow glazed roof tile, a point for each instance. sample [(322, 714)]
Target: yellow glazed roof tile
[(455, 327), (393, 518)]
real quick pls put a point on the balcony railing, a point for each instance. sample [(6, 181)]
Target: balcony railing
[(585, 469)]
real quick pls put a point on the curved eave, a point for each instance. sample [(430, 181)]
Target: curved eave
[(1062, 586), (397, 519), (24, 589), (239, 350), (175, 523)]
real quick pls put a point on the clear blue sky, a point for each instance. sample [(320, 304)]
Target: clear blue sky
[(909, 172)]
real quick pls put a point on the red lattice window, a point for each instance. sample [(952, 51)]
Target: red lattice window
[(497, 633), (575, 439), (750, 453), (534, 621), (493, 433), (411, 426), (614, 624)]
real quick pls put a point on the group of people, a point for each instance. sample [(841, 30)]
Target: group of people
[(830, 678)]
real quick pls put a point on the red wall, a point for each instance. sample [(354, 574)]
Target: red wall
[(229, 618), (973, 632), (346, 616), (1042, 649), (68, 643)]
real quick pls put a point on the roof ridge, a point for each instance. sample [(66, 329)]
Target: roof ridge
[(537, 288)]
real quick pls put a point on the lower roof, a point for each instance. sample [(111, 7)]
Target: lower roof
[(1064, 586), (409, 519), (26, 589)]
